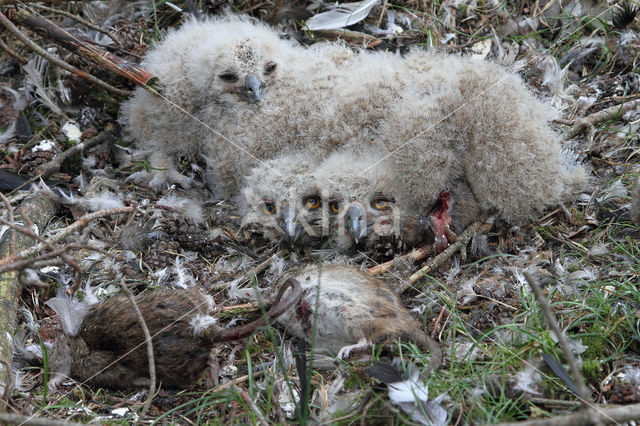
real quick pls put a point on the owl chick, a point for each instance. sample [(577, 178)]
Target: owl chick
[(344, 309), (486, 128), (281, 197), (209, 71), (331, 97), (361, 206)]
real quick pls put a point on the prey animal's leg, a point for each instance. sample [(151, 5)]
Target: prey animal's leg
[(440, 221), (344, 352)]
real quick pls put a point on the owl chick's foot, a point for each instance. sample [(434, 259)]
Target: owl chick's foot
[(162, 179), (344, 352)]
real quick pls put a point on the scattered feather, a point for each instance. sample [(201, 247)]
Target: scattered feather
[(183, 279), (200, 323), (528, 380), (560, 371), (341, 15), (44, 145), (613, 192), (70, 310), (191, 209), (410, 394), (71, 131), (35, 77), (9, 133)]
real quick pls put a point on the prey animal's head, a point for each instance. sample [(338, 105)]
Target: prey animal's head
[(281, 198), (356, 188)]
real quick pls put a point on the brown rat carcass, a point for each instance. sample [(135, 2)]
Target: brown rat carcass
[(344, 309), (104, 345)]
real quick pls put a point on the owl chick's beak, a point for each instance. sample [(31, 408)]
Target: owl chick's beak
[(253, 88), (292, 229), (355, 223)]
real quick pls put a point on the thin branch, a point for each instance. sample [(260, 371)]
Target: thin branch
[(599, 415), (250, 403), (83, 21), (415, 255), (129, 70), (61, 234), (50, 167), (463, 239), (9, 418), (12, 52), (587, 123), (585, 395), (152, 363), (59, 62)]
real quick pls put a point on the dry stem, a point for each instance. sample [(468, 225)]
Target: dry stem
[(152, 363), (59, 62), (585, 395)]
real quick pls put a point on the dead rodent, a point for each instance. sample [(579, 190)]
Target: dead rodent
[(351, 309), (106, 347)]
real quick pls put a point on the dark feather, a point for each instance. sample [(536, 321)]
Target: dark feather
[(560, 372), (624, 16), (386, 373)]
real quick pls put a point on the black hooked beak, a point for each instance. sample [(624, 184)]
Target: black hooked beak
[(292, 230), (355, 223), (253, 88)]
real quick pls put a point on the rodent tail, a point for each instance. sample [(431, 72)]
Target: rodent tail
[(279, 306)]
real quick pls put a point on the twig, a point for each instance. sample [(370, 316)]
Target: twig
[(12, 52), (600, 415), (59, 62), (83, 21), (62, 233), (129, 70), (251, 403), (463, 239), (9, 418), (587, 123), (152, 363), (415, 255), (585, 395), (50, 167)]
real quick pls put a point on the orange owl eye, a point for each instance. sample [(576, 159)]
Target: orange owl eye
[(335, 206), (268, 207), (380, 204), (312, 202), (228, 76), (269, 68)]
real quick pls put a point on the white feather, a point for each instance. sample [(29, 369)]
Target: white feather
[(35, 76), (200, 323), (71, 312), (342, 15), (9, 133)]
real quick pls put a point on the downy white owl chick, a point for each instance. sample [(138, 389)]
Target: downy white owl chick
[(332, 96), (479, 123), (281, 197), (359, 197), (209, 71), (344, 309)]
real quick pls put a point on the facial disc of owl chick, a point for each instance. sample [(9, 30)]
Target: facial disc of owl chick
[(357, 189), (209, 72), (281, 198)]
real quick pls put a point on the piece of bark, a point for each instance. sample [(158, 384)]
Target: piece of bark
[(39, 208), (129, 70)]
